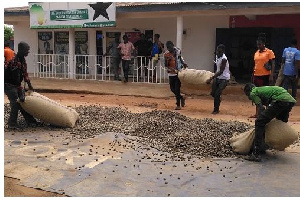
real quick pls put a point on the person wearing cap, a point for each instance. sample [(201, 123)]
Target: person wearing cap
[(14, 74)]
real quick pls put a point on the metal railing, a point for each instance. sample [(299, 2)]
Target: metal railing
[(97, 67), (51, 66)]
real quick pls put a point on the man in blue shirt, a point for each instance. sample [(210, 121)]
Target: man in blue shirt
[(291, 61), (157, 48)]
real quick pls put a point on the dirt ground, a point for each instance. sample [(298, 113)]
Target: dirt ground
[(233, 107)]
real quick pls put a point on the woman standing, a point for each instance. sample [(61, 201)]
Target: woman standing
[(264, 68)]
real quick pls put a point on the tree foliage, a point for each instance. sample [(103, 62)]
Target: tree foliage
[(8, 32)]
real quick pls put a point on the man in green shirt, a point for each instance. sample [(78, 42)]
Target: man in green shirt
[(278, 104)]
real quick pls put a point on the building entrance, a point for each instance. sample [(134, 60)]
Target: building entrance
[(241, 45)]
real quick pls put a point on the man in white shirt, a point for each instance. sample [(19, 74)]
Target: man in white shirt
[(220, 78)]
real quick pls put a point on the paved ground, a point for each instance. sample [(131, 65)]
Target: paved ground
[(53, 162), (43, 159)]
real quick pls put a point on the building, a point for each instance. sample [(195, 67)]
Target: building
[(195, 27)]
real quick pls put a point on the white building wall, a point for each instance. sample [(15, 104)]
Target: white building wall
[(166, 27), (200, 38), (198, 42)]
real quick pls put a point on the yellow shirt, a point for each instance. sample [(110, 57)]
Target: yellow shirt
[(260, 60)]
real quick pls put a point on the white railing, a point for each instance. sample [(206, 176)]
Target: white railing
[(51, 66), (149, 70), (96, 67)]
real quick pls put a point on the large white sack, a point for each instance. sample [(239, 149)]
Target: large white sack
[(194, 77), (49, 111), (242, 142), (278, 135)]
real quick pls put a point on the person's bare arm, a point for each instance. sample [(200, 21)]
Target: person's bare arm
[(217, 74), (272, 70)]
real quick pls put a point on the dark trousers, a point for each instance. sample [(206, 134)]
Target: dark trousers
[(125, 65), (217, 88), (116, 62), (279, 110), (12, 95), (175, 85), (260, 81), (294, 83)]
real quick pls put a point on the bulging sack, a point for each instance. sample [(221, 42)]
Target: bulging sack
[(278, 135), (49, 111), (242, 142), (194, 77)]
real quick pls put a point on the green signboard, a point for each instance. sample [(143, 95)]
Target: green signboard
[(72, 14), (78, 14)]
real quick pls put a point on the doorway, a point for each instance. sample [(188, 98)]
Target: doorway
[(240, 46)]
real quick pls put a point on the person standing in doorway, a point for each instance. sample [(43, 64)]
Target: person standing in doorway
[(9, 54), (157, 48), (143, 47), (174, 63), (220, 78), (126, 48), (115, 54), (291, 61), (15, 72), (264, 68)]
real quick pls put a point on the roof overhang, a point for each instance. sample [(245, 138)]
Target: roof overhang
[(158, 10)]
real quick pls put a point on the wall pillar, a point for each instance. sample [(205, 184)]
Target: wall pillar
[(179, 32), (72, 53), (92, 52)]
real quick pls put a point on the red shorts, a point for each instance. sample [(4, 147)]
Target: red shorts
[(259, 81)]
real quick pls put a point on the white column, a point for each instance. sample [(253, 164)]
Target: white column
[(179, 32), (71, 53), (92, 42), (92, 52)]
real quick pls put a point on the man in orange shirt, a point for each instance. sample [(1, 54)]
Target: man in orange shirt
[(264, 68), (9, 54)]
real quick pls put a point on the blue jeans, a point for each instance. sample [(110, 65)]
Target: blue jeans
[(290, 80)]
